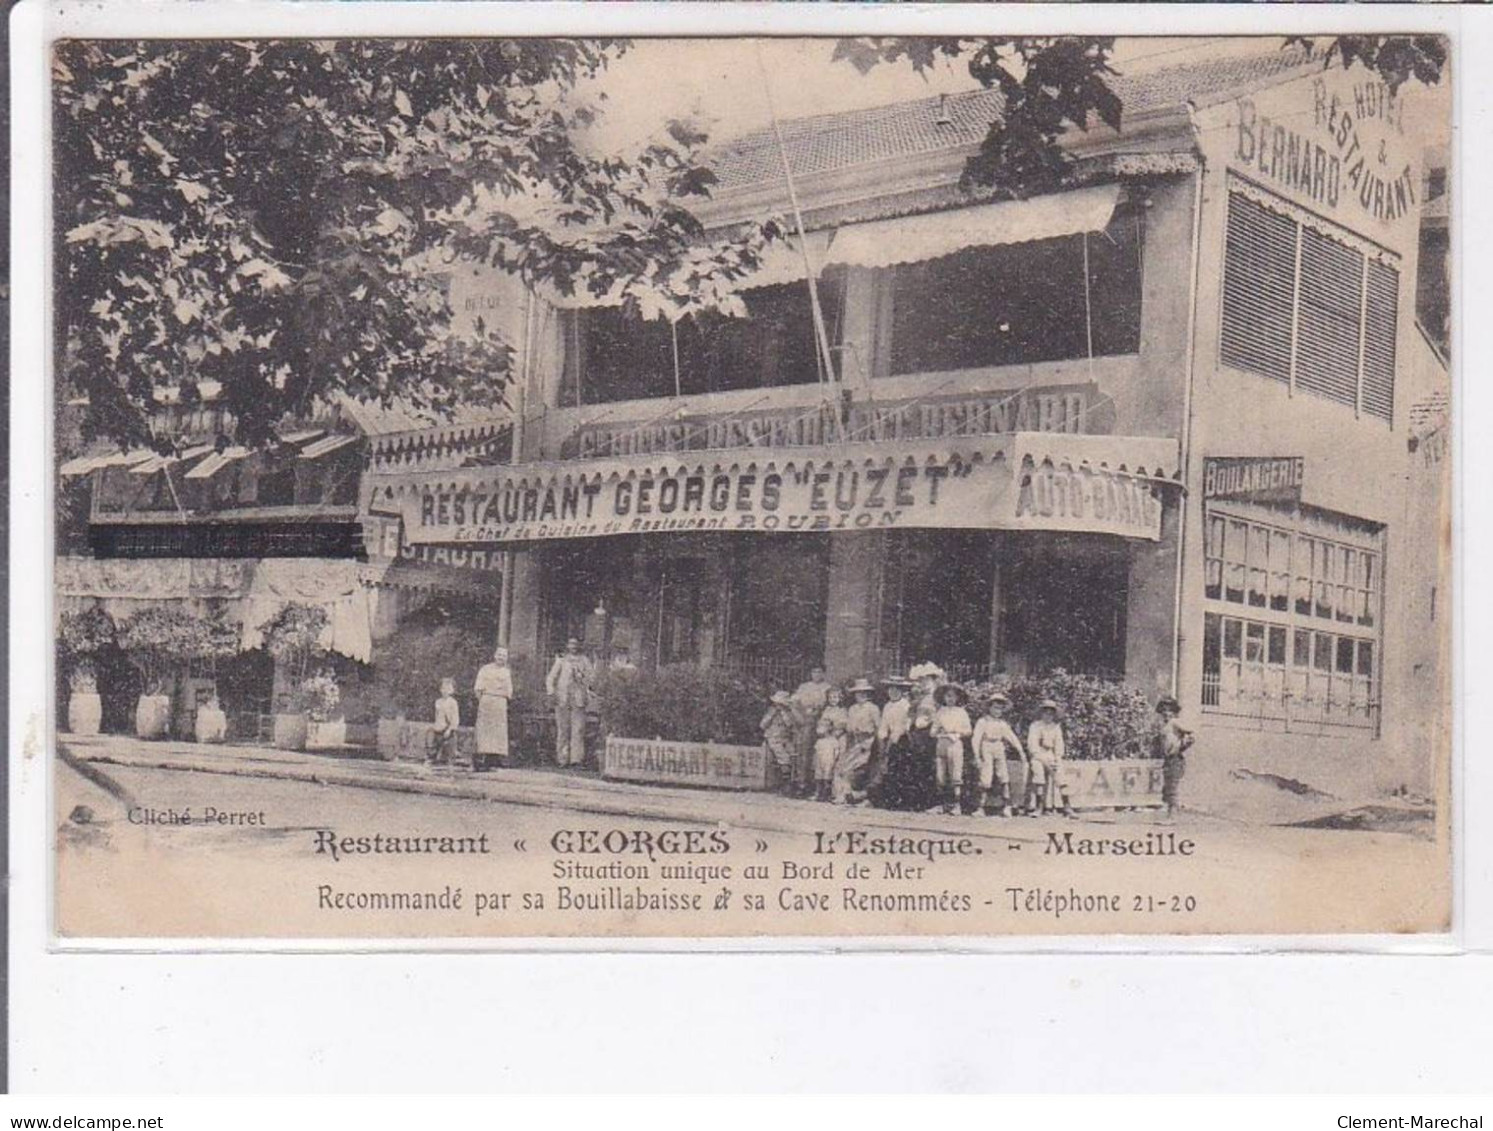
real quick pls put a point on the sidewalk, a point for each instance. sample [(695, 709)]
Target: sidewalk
[(549, 788)]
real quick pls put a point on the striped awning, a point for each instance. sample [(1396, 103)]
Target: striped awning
[(913, 239), (217, 462), (327, 445)]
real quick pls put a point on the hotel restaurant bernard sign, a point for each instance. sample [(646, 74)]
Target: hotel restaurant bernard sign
[(1025, 481), (1339, 146)]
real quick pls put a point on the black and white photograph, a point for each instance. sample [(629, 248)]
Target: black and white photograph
[(746, 487)]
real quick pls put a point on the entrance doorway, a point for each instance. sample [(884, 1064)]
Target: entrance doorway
[(1063, 604), (937, 591)]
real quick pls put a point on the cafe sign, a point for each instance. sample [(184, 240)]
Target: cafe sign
[(1255, 479), (1098, 484)]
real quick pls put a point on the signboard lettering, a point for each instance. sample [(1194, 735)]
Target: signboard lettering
[(906, 486), (685, 763), (1350, 152), (1260, 479), (1062, 408)]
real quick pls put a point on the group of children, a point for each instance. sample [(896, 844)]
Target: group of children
[(909, 753)]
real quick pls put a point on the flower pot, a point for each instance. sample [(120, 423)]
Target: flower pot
[(290, 732), (210, 725), (152, 716), (330, 735), (84, 710)]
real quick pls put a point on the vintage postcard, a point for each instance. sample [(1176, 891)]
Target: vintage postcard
[(563, 488)]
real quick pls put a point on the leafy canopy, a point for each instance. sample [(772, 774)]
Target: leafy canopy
[(276, 216)]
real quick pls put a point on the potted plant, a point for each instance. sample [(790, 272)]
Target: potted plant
[(321, 699), (214, 639), (156, 640), (293, 637), (81, 635), (211, 722)]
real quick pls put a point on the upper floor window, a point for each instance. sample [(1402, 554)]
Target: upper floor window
[(1308, 305), (1020, 303), (615, 355)]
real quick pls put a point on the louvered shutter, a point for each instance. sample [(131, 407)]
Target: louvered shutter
[(1258, 289), (1328, 326), (1380, 328)]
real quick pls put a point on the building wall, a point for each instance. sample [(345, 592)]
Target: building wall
[(1352, 465), (1140, 395)]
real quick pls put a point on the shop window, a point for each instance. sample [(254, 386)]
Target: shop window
[(1289, 632), (617, 355), (1020, 303), (1304, 304)]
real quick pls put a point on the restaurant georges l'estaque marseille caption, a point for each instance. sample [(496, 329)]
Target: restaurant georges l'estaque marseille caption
[(854, 872)]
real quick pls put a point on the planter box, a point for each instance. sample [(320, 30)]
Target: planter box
[(152, 716), (290, 732), (210, 725), (330, 735), (84, 710)]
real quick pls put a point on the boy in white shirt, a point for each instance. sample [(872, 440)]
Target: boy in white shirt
[(992, 738), (829, 747), (1045, 747), (447, 719), (950, 727)]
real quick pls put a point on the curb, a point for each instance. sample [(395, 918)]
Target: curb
[(579, 798)]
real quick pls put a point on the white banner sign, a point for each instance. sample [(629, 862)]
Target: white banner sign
[(1021, 482)]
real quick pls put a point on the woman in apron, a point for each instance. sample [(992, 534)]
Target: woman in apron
[(494, 687)]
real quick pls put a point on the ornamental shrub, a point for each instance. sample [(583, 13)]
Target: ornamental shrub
[(158, 640), (293, 637), (80, 637), (1101, 718), (682, 703), (319, 697)]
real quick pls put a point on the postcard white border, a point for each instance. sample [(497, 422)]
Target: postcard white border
[(53, 990)]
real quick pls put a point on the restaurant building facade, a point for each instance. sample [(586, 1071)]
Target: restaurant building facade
[(1161, 426)]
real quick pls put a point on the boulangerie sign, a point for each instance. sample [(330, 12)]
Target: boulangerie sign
[(1074, 483)]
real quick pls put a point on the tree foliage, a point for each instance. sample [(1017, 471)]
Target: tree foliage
[(275, 215), (293, 636), (1047, 84), (158, 640)]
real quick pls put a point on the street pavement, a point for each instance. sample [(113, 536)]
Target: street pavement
[(546, 788)]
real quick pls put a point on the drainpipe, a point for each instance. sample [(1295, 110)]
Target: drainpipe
[(515, 455), (1186, 452)]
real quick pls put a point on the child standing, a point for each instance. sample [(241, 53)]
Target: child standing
[(863, 720), (808, 700), (447, 719), (950, 727), (780, 737), (992, 738), (1172, 743), (1045, 747), (830, 743)]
